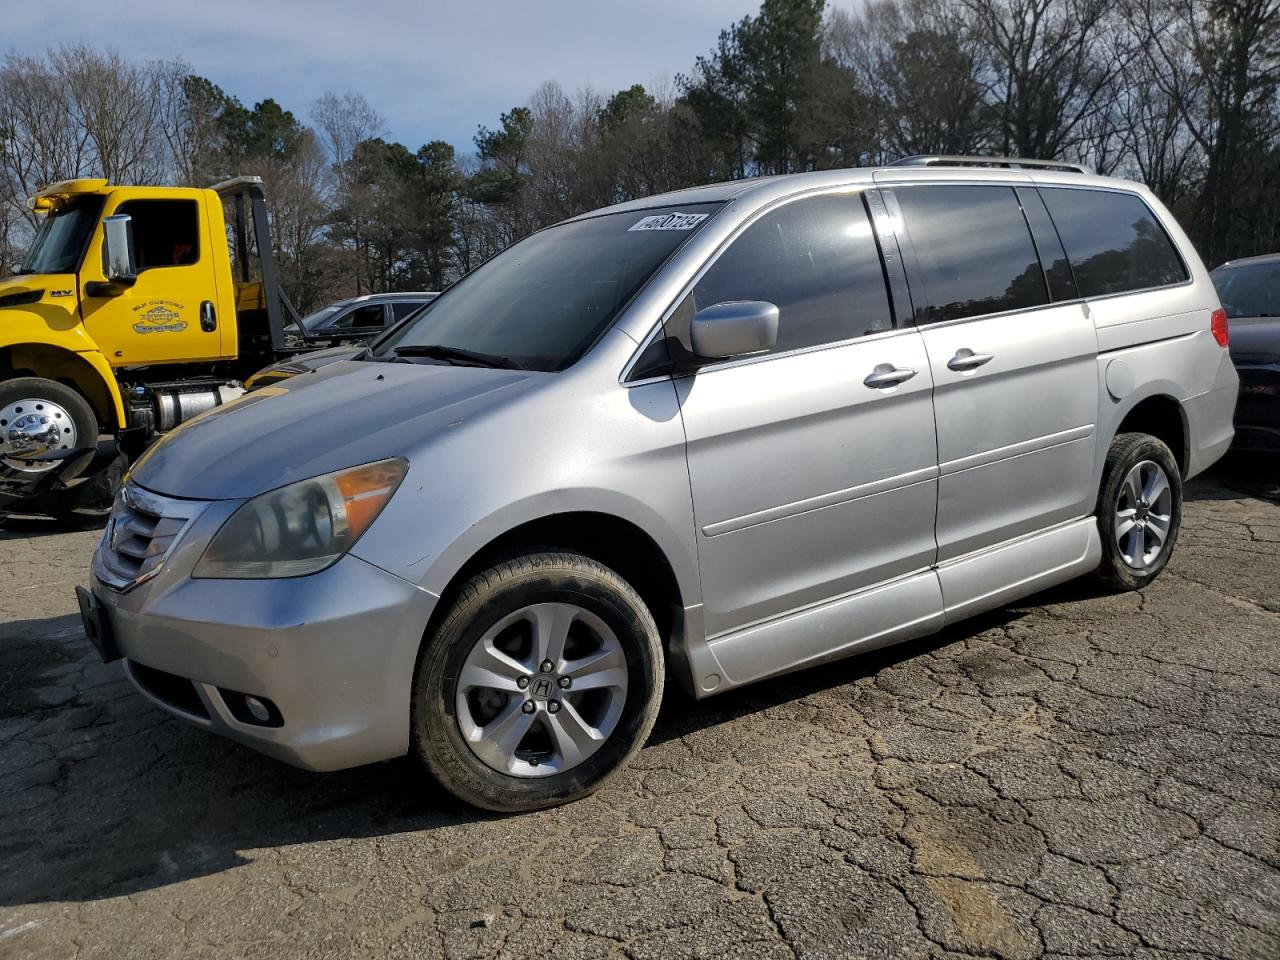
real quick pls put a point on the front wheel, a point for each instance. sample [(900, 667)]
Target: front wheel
[(40, 417), (542, 681), (1139, 510)]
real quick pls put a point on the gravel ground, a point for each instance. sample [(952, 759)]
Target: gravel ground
[(1081, 774)]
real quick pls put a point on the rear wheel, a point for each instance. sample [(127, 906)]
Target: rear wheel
[(1139, 510), (543, 679)]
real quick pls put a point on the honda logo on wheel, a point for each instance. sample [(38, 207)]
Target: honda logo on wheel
[(542, 687)]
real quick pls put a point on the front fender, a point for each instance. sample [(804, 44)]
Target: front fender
[(30, 342), (671, 531)]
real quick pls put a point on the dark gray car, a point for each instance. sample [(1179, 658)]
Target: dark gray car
[(1250, 293), (331, 324), (365, 316)]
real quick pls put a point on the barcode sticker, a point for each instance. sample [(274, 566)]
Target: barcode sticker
[(669, 221)]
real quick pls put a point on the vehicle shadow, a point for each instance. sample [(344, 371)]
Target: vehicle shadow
[(25, 526), (106, 795), (1236, 476)]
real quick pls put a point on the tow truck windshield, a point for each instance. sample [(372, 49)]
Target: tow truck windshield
[(61, 239)]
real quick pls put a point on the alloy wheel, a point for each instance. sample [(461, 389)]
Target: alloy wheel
[(541, 690), (1143, 515)]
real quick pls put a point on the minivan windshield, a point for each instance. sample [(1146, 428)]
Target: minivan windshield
[(540, 304), (61, 239), (1249, 290)]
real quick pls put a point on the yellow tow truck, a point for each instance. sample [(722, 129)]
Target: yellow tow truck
[(136, 308)]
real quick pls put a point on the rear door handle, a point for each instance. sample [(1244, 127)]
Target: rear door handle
[(887, 375), (966, 359)]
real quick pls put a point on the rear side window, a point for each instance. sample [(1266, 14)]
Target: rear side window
[(817, 261), (973, 252), (1114, 241), (402, 308)]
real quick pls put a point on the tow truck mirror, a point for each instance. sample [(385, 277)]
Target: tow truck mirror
[(117, 249)]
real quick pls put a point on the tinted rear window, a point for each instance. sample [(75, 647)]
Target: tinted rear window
[(1114, 241), (973, 252)]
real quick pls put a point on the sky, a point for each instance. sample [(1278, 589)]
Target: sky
[(434, 70)]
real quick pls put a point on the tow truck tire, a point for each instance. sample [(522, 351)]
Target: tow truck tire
[(83, 421)]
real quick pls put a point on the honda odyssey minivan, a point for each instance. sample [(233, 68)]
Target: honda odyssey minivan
[(707, 437)]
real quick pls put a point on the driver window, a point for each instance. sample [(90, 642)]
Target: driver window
[(817, 261), (166, 233)]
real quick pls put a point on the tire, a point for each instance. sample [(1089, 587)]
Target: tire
[(86, 502), (1129, 559), (498, 626), (83, 424)]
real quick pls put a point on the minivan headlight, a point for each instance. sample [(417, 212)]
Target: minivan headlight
[(302, 528)]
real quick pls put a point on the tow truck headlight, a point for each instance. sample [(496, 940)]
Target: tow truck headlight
[(302, 528)]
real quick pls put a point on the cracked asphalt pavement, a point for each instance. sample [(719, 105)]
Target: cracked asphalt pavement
[(1079, 774)]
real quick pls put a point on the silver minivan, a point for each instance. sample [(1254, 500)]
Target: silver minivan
[(711, 436)]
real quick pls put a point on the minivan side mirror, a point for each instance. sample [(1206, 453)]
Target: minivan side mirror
[(734, 329), (117, 249)]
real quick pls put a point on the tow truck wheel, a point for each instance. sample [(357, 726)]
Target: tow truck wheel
[(39, 417)]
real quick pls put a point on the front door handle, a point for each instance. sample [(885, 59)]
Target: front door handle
[(966, 359), (208, 319), (887, 375)]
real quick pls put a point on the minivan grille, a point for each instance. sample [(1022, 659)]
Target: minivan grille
[(142, 528)]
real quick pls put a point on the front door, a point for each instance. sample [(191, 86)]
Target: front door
[(813, 467), (1015, 375), (157, 319)]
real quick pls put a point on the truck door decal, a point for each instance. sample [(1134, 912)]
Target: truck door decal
[(159, 316)]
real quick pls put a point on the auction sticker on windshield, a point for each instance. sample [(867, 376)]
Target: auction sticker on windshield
[(669, 221)]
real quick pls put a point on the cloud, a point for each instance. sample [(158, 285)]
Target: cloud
[(435, 70)]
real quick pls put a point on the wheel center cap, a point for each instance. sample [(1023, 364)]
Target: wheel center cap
[(542, 687), (32, 435)]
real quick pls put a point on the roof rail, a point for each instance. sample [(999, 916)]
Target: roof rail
[(1010, 162)]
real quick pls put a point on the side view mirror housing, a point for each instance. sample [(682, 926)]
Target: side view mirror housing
[(117, 249), (734, 329)]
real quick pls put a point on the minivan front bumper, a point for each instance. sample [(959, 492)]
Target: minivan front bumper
[(333, 652)]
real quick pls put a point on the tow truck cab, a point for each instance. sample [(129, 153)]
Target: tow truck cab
[(142, 302)]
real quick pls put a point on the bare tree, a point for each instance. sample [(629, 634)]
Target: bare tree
[(343, 123), (1042, 69), (191, 108), (918, 67), (115, 104), (1218, 64)]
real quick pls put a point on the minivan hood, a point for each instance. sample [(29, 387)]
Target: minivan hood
[(344, 415)]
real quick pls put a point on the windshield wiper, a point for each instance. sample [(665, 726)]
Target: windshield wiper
[(456, 355)]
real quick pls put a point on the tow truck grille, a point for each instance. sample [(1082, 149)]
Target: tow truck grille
[(142, 529)]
